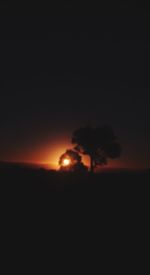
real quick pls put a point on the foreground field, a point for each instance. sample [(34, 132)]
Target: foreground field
[(27, 179)]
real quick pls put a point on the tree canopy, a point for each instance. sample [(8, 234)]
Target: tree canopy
[(99, 143), (71, 161)]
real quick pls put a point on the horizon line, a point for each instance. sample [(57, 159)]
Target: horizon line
[(50, 166)]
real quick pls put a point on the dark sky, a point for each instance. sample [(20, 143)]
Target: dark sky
[(67, 65)]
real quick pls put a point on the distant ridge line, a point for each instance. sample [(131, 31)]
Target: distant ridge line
[(47, 166)]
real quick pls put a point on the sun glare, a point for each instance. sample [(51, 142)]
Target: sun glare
[(66, 162)]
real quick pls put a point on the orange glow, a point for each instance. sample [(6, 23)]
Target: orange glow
[(48, 155), (66, 162), (54, 153)]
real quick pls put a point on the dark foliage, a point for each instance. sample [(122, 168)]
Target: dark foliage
[(99, 143), (75, 164)]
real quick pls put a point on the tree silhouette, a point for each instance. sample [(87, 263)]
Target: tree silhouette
[(71, 161), (98, 143)]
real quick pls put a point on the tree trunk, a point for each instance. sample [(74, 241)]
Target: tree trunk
[(91, 165)]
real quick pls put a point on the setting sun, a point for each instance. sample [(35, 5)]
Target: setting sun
[(66, 162)]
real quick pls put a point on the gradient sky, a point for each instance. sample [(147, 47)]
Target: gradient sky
[(65, 67)]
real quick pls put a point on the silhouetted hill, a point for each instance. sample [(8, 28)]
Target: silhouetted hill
[(19, 177)]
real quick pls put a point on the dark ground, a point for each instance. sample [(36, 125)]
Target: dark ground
[(27, 179), (57, 199), (80, 210)]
